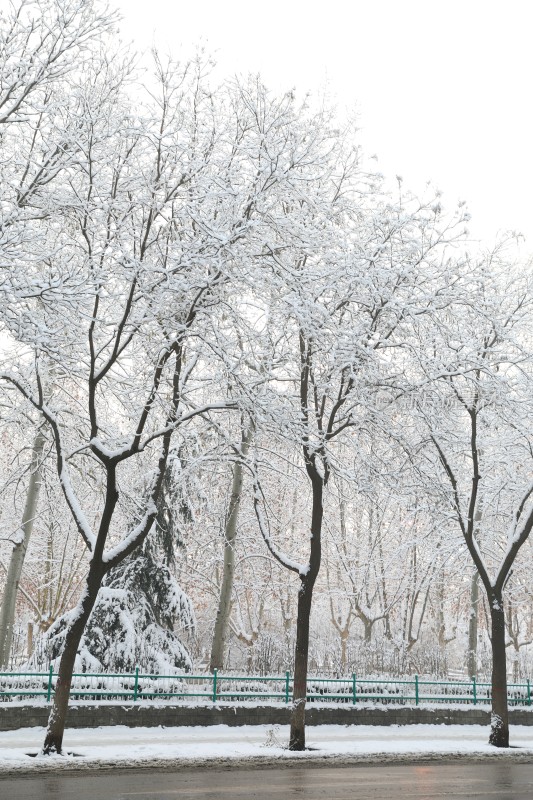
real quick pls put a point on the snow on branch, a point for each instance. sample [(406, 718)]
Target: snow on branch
[(80, 519), (134, 536), (517, 534), (262, 520), (64, 478), (185, 417)]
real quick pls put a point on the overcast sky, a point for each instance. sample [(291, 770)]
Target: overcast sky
[(443, 89)]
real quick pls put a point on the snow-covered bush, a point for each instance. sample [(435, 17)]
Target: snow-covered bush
[(132, 623)]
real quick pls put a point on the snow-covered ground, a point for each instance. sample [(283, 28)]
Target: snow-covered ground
[(144, 747)]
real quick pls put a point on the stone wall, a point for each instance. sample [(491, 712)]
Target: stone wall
[(93, 716)]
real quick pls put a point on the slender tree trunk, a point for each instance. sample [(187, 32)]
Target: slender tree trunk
[(305, 600), (516, 665), (220, 632), (9, 599), (474, 602), (344, 644), (53, 742), (499, 733), (30, 640), (471, 661)]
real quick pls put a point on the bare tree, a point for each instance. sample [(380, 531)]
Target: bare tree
[(347, 301), (480, 372)]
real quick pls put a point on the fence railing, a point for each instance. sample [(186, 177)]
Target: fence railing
[(137, 686)]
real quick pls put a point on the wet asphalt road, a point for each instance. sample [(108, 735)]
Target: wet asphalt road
[(484, 781)]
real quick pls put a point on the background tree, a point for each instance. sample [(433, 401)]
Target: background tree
[(480, 382), (18, 554), (216, 660)]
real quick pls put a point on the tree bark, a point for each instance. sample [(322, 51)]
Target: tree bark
[(53, 742), (499, 732), (301, 657), (305, 600), (220, 632), (344, 659), (9, 599), (474, 602), (471, 661)]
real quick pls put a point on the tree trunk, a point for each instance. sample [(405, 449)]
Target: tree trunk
[(305, 600), (220, 632), (516, 665), (301, 657), (30, 640), (53, 742), (471, 661), (344, 645), (9, 599), (499, 733), (474, 603)]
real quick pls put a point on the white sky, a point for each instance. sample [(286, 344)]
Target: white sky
[(443, 89)]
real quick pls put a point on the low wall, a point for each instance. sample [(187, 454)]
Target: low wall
[(93, 716)]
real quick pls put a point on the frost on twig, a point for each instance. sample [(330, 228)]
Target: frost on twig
[(264, 526)]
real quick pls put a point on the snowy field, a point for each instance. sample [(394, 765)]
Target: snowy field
[(148, 747)]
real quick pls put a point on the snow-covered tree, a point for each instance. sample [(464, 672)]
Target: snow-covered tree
[(133, 623), (347, 302), (475, 414), (225, 295), (144, 239)]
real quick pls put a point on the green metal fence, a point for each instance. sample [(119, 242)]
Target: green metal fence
[(137, 686)]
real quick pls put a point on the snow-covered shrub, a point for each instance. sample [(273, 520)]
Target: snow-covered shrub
[(132, 623)]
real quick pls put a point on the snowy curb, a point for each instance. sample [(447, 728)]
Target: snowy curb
[(53, 764)]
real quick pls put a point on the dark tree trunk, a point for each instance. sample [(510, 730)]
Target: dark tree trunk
[(53, 742), (301, 657), (305, 601), (499, 729)]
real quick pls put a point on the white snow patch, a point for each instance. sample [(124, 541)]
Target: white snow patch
[(120, 744)]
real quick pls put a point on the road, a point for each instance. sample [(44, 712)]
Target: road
[(499, 780)]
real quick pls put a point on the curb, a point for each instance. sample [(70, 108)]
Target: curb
[(71, 765)]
